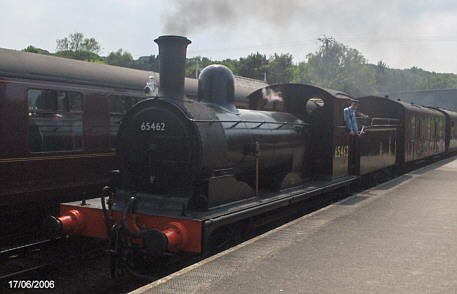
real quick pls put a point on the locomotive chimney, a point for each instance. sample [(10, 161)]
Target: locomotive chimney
[(172, 61)]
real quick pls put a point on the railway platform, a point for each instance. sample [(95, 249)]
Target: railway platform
[(398, 237)]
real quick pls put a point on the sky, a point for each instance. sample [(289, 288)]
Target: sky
[(402, 34)]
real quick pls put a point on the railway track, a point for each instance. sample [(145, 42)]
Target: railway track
[(12, 262), (31, 262), (81, 265)]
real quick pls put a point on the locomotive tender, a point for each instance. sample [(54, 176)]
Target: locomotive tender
[(196, 175)]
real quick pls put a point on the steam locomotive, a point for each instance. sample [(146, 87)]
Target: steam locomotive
[(197, 175)]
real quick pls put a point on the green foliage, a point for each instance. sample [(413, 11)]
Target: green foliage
[(230, 63), (120, 58), (149, 63), (76, 42), (334, 66), (337, 67), (254, 66), (33, 49), (75, 46), (280, 69), (192, 63), (437, 81), (79, 55)]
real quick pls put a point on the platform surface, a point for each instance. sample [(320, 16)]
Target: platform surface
[(399, 237)]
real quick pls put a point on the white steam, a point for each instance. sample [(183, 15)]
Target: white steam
[(272, 97)]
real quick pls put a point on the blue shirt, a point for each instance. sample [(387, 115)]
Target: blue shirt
[(349, 119)]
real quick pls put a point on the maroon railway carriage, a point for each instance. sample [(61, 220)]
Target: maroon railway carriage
[(451, 130), (421, 132), (58, 124)]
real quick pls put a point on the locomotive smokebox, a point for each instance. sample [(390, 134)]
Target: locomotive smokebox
[(172, 60)]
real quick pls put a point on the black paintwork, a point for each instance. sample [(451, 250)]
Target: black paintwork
[(322, 109), (171, 145)]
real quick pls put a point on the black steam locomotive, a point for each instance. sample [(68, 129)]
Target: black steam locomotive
[(197, 175), (172, 145)]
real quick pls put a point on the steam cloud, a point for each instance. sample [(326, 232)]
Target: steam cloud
[(185, 17), (286, 24), (271, 96)]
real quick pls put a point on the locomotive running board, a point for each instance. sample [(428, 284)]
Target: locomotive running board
[(257, 205)]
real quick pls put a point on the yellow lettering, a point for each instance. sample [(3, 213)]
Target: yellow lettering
[(341, 151)]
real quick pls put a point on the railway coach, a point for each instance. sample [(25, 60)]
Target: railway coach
[(450, 130), (422, 130), (58, 124)]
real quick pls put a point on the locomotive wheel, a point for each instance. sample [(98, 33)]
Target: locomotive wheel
[(138, 263), (224, 237)]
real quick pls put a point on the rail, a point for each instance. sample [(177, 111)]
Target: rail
[(36, 257), (4, 254)]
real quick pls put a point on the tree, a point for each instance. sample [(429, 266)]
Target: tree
[(77, 47), (76, 42), (120, 58), (33, 49), (91, 45), (254, 66), (280, 69), (437, 81), (230, 63), (338, 67), (301, 73), (150, 63), (191, 65)]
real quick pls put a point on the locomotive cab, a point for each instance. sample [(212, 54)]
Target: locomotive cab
[(327, 143)]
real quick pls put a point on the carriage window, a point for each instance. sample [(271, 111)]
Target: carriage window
[(429, 127), (55, 120), (75, 101), (419, 129), (413, 128), (435, 129), (118, 107)]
